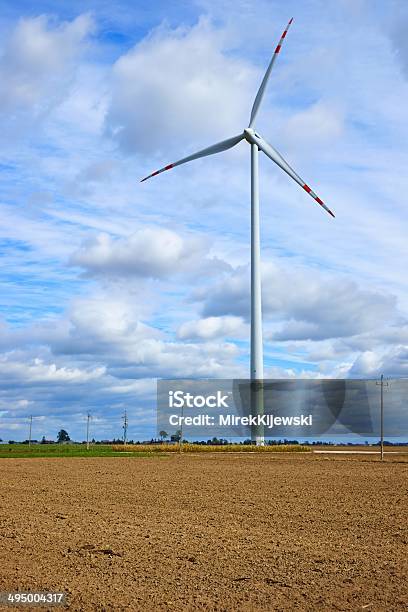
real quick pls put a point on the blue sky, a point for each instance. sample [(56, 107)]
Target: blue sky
[(108, 284)]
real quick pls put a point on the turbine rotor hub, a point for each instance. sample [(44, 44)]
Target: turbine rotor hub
[(249, 134)]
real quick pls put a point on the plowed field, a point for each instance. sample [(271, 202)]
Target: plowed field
[(234, 532)]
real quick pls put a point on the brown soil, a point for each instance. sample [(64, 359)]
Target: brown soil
[(236, 532)]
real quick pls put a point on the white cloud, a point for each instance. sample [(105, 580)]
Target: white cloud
[(36, 61), (106, 326), (211, 327), (108, 330), (37, 371), (388, 361), (149, 252), (176, 87), (309, 304), (319, 124)]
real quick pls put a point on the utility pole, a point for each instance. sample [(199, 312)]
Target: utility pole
[(88, 418), (30, 430), (382, 384), (125, 427)]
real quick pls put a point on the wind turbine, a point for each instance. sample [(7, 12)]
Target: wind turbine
[(257, 144)]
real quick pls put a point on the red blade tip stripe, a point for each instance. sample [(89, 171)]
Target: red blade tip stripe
[(278, 48), (318, 200), (158, 172)]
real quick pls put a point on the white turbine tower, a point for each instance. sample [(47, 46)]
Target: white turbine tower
[(257, 144)]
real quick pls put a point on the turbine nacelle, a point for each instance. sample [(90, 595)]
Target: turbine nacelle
[(250, 135)]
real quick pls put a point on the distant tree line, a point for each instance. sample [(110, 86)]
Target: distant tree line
[(63, 437)]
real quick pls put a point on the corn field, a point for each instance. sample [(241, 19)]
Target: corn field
[(203, 448)]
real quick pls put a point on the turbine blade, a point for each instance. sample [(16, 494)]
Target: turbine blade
[(265, 80), (216, 148), (276, 157)]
